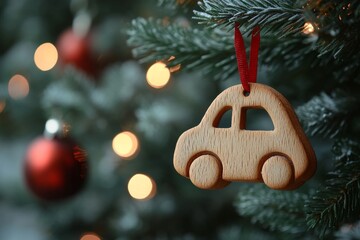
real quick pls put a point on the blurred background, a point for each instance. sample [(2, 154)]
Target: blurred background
[(87, 132)]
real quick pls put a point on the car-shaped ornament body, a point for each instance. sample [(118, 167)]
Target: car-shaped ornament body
[(212, 157)]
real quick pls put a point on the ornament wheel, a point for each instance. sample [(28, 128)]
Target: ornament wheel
[(277, 172), (206, 172)]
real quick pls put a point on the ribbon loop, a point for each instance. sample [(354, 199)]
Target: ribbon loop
[(248, 73)]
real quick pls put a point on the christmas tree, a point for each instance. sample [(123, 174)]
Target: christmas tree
[(125, 79)]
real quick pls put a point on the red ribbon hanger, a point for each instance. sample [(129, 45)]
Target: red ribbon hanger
[(248, 73)]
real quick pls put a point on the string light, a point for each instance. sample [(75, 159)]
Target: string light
[(126, 145), (2, 106), (46, 56), (18, 87), (141, 187), (158, 75), (308, 28), (90, 236)]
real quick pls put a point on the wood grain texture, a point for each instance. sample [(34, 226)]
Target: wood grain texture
[(243, 155), (205, 171)]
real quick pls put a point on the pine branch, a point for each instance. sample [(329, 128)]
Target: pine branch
[(339, 200), (282, 18), (278, 211), (211, 51), (337, 25), (328, 115), (291, 53)]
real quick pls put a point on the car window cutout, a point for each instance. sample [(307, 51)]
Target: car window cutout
[(256, 119), (223, 118)]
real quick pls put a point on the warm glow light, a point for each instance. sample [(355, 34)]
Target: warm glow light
[(46, 56), (141, 187), (52, 126), (18, 87), (158, 75), (90, 236), (125, 145), (308, 28), (2, 106)]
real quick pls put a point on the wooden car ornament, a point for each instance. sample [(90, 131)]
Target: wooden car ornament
[(212, 157)]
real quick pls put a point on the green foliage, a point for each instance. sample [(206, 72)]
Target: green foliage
[(152, 40), (337, 23), (211, 51), (292, 53), (276, 210), (282, 18), (328, 115), (338, 200)]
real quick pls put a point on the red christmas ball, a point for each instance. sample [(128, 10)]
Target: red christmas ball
[(75, 50), (55, 169)]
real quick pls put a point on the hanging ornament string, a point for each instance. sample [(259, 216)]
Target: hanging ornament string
[(248, 73)]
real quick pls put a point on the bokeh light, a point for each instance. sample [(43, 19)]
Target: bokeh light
[(52, 126), (46, 56), (90, 236), (18, 87), (125, 144), (141, 187), (308, 28), (2, 106), (158, 75)]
